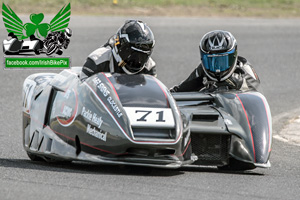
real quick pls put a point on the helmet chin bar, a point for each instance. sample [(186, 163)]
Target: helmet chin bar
[(218, 76), (127, 71), (122, 63)]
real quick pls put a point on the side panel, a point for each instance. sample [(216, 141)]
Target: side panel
[(35, 96), (252, 113), (242, 147), (71, 119), (82, 112), (33, 86), (259, 121)]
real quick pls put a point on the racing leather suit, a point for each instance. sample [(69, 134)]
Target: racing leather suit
[(243, 78), (102, 60)]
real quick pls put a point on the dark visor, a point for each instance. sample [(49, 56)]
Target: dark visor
[(218, 62), (133, 57)]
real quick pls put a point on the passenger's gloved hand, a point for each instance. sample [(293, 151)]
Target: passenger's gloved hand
[(235, 81)]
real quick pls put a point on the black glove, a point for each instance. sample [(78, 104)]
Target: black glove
[(235, 81)]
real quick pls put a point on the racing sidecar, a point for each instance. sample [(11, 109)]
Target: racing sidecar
[(135, 120), (228, 129), (15, 46)]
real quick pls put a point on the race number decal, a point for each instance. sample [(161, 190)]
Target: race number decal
[(28, 88), (150, 117)]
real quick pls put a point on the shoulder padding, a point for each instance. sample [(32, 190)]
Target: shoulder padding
[(150, 64), (100, 55)]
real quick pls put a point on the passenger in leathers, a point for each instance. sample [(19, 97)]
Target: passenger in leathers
[(128, 52), (220, 67)]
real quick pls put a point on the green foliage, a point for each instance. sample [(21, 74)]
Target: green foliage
[(212, 7), (144, 3)]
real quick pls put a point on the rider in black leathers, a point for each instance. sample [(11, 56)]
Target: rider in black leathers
[(220, 67), (128, 51)]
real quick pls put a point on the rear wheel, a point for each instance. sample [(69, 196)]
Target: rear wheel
[(37, 51)]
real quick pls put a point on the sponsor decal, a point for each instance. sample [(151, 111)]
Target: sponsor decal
[(100, 134), (68, 108), (103, 89), (92, 117), (97, 120), (67, 111), (87, 114), (114, 106)]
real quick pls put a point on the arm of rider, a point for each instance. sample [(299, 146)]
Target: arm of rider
[(235, 81), (244, 78), (193, 83)]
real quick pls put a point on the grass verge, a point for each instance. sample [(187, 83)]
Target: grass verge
[(203, 8)]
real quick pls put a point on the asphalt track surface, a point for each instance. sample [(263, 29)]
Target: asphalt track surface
[(271, 45)]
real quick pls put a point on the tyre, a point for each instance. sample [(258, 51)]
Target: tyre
[(51, 48), (37, 52), (34, 157), (236, 165), (56, 161), (59, 52)]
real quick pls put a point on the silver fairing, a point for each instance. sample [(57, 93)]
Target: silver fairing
[(65, 118), (135, 120), (229, 125)]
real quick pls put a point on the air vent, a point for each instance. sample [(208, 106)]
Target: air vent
[(211, 149), (205, 120), (148, 133)]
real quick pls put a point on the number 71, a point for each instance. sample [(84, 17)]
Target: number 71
[(143, 118)]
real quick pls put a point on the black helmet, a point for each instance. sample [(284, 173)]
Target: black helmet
[(218, 51), (133, 46)]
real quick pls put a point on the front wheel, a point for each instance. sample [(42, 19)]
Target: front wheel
[(34, 157), (51, 48), (236, 165), (47, 159)]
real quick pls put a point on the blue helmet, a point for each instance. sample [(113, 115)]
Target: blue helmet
[(218, 51)]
